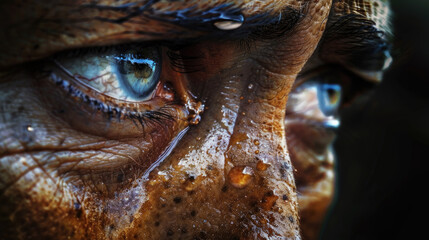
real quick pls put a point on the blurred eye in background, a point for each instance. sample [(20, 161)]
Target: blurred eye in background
[(329, 97), (318, 97)]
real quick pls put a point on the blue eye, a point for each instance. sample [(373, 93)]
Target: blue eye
[(138, 74), (329, 97), (129, 74)]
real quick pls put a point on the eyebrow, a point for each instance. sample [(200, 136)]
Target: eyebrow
[(186, 16), (71, 26), (358, 42), (259, 26)]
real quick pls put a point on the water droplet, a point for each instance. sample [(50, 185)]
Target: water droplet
[(257, 152), (256, 142), (195, 110), (250, 86), (195, 120), (30, 128), (230, 23), (240, 176), (248, 171), (261, 166)]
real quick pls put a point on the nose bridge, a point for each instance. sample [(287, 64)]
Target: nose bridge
[(231, 176), (259, 134), (256, 157)]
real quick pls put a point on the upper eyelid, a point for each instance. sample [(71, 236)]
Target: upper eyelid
[(178, 62), (195, 18), (260, 27), (321, 71), (257, 29)]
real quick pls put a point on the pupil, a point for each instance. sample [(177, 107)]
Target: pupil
[(332, 95), (331, 92), (142, 70)]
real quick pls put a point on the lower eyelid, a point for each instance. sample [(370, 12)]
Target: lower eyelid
[(90, 115), (112, 107)]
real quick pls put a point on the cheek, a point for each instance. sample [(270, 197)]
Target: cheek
[(30, 192), (54, 175), (39, 117)]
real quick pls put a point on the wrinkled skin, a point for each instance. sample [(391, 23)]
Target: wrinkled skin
[(235, 162)]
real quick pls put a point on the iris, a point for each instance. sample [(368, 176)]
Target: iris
[(138, 73), (329, 96)]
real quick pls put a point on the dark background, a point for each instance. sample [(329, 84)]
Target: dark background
[(383, 144)]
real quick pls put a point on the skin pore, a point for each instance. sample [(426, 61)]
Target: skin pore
[(215, 151)]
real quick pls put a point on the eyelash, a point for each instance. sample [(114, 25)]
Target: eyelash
[(179, 62), (143, 118)]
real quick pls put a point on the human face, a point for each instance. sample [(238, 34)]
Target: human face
[(170, 119)]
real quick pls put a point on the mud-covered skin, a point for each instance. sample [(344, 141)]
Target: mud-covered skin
[(65, 175)]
